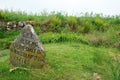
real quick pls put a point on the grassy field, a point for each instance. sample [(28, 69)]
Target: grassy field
[(68, 61), (85, 47)]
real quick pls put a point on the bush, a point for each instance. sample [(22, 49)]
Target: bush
[(55, 24), (86, 28), (72, 22), (100, 24)]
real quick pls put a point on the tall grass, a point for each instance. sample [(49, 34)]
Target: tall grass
[(57, 22)]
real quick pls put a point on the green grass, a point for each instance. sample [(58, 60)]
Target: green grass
[(60, 22), (68, 61), (77, 48), (106, 39)]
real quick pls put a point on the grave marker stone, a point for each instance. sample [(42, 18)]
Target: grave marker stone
[(26, 50)]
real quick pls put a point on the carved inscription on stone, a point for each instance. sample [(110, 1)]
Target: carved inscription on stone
[(26, 50)]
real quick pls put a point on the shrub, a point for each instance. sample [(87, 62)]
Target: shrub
[(71, 20), (86, 28), (55, 24), (100, 24)]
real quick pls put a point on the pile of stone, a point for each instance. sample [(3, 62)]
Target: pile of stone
[(26, 50), (14, 25)]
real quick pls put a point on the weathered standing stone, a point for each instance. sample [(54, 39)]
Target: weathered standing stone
[(26, 50)]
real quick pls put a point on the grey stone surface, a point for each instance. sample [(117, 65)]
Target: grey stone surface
[(26, 50)]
